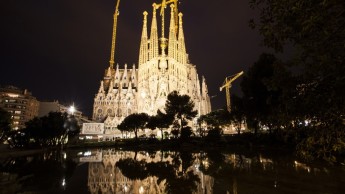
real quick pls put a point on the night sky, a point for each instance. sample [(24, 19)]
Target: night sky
[(59, 49)]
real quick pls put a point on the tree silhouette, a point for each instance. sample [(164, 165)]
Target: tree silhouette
[(50, 130), (316, 29), (160, 121), (180, 107), (259, 99), (5, 122), (134, 122), (133, 169), (237, 115)]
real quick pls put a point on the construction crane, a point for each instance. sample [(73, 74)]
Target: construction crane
[(165, 3), (163, 6), (113, 42), (227, 85)]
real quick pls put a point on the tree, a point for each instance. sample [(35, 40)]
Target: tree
[(237, 115), (134, 122), (72, 127), (180, 107), (316, 29), (186, 133), (215, 119), (201, 121), (5, 124), (259, 98), (50, 130), (160, 121)]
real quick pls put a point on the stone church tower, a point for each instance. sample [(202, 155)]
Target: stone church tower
[(163, 67)]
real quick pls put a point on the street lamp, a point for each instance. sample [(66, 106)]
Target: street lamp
[(71, 109)]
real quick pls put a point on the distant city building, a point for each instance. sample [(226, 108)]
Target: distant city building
[(20, 104), (163, 67), (47, 107), (55, 106)]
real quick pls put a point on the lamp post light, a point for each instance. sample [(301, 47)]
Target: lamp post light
[(71, 109)]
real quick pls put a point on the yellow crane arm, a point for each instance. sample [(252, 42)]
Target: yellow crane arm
[(227, 85), (112, 55), (228, 80), (164, 4)]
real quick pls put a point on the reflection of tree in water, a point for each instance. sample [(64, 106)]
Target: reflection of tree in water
[(177, 177), (39, 174), (214, 164), (206, 172), (133, 169)]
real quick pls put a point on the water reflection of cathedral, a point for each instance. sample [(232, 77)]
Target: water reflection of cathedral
[(105, 177)]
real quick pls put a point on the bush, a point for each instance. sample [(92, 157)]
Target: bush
[(214, 134), (175, 133), (186, 132)]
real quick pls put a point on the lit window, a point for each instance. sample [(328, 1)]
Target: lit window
[(13, 95)]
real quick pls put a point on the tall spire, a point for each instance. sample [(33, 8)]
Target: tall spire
[(205, 97), (143, 53), (101, 88), (172, 34), (154, 35), (163, 39), (111, 87), (181, 44), (124, 76), (117, 72), (112, 55), (133, 76), (204, 89), (198, 85)]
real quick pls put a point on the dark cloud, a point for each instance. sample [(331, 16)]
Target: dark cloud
[(59, 49)]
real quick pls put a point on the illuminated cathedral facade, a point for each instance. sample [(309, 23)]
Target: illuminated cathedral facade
[(163, 67)]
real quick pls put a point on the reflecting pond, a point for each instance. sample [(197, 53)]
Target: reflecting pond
[(118, 171)]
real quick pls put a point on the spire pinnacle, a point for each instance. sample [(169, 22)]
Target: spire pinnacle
[(181, 43), (154, 35), (101, 88), (172, 34), (143, 53)]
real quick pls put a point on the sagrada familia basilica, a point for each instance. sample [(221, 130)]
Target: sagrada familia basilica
[(163, 67)]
